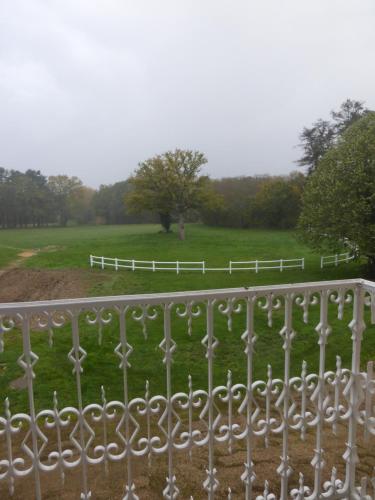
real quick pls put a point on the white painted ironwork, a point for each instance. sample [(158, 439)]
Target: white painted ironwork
[(236, 412), (328, 260), (201, 266)]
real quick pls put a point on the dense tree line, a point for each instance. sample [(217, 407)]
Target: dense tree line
[(172, 188), (110, 206), (32, 199), (245, 202)]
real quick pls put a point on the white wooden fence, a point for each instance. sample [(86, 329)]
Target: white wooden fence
[(201, 266), (335, 259), (37, 443)]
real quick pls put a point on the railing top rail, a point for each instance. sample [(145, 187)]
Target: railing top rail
[(367, 285), (160, 298)]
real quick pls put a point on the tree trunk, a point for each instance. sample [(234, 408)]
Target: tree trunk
[(165, 221), (181, 227), (370, 272)]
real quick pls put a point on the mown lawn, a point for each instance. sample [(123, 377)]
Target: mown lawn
[(70, 248)]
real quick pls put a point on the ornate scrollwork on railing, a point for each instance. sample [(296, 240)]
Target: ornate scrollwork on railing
[(142, 313), (6, 325), (48, 321), (101, 317), (189, 310), (305, 300), (228, 308), (270, 303), (236, 414)]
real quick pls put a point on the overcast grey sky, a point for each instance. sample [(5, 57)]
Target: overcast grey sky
[(90, 88)]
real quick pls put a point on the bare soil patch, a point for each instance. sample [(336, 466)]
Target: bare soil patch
[(21, 284), (27, 253)]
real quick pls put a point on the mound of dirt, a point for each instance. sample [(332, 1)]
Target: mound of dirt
[(21, 285)]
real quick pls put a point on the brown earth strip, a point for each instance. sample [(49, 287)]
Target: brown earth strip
[(22, 284)]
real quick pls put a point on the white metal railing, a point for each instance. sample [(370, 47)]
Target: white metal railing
[(335, 259), (178, 266), (37, 442)]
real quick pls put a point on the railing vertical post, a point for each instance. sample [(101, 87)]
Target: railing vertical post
[(336, 260), (133, 265), (368, 399), (153, 266), (29, 360), (91, 261), (230, 267), (171, 491), (116, 264), (204, 267), (77, 355), (210, 342), (102, 260), (281, 265), (303, 262), (323, 329), (249, 337), (126, 350), (321, 262), (256, 266), (357, 326), (287, 334), (177, 267)]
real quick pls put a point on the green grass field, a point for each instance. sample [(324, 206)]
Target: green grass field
[(215, 245), (70, 250)]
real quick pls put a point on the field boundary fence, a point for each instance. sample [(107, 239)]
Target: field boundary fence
[(327, 260), (200, 266)]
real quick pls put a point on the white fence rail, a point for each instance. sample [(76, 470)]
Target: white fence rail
[(201, 266), (35, 442), (335, 259), (257, 265)]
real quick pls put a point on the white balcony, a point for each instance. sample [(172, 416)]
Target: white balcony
[(222, 418)]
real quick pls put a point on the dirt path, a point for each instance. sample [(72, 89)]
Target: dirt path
[(21, 284), (25, 254)]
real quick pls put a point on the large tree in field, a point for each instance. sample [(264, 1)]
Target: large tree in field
[(169, 184), (339, 197)]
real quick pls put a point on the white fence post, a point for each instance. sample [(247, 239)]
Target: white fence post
[(153, 266), (102, 262), (203, 267), (116, 264), (336, 260), (230, 267), (321, 262), (133, 265), (91, 261), (303, 262), (281, 265), (177, 267), (256, 266)]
